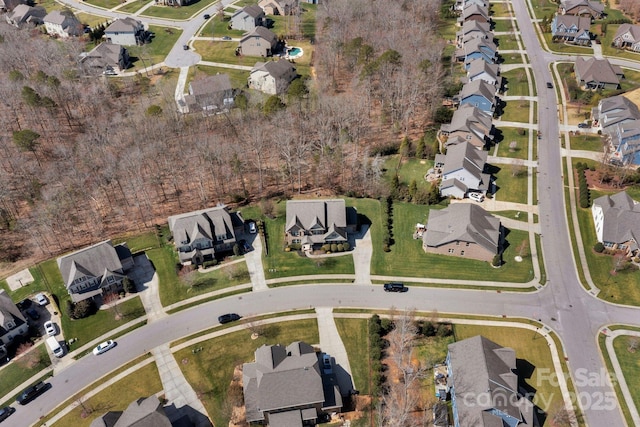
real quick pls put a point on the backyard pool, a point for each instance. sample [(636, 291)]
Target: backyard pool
[(294, 52)]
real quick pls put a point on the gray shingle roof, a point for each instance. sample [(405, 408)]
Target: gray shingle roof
[(480, 45), (581, 23), (8, 313), (286, 419), (262, 32), (621, 218), (329, 214), (124, 25), (144, 412), (253, 10), (474, 9), (484, 378), (462, 222), (634, 30), (470, 119), (465, 156), (91, 261), (211, 84), (597, 70), (571, 4), (479, 87), (615, 110)]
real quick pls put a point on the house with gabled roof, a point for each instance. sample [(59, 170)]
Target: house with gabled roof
[(477, 48), (613, 111), (25, 14), (627, 37), (616, 219), (96, 270), (247, 18), (143, 412), (62, 24), (472, 30), (463, 170), (474, 12), (571, 28), (594, 73), (106, 58), (12, 322), (463, 230), (286, 387), (312, 223), (479, 94), (273, 77), (126, 31), (259, 42), (485, 387), (468, 124), (619, 119), (9, 5), (592, 9), (211, 94), (459, 5), (202, 235), (483, 70), (279, 7)]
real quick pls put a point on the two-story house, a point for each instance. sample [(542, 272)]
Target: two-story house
[(472, 30), (126, 31), (211, 94), (273, 77), (12, 322), (62, 24), (99, 269), (106, 58), (24, 14), (247, 18), (616, 219), (479, 94), (483, 70), (260, 42), (474, 12), (588, 8), (468, 124), (318, 222), (279, 7), (202, 235), (627, 37), (571, 28), (463, 171), (594, 73)]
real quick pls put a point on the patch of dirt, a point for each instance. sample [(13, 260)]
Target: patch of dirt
[(594, 182)]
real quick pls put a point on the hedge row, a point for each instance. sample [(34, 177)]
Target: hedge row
[(387, 219), (585, 195), (377, 329)]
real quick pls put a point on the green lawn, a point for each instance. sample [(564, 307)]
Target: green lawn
[(133, 6), (141, 242), (512, 58), (508, 42), (238, 77), (407, 258), (630, 364), (91, 20), (499, 10), (409, 170), (587, 142), (156, 51), (210, 370), (543, 8), (223, 52), (354, 335), (429, 351), (511, 188), (561, 47), (142, 383), (515, 111), (529, 347), (616, 384), (517, 215), (502, 25), (15, 373), (510, 135), (517, 82), (218, 27), (609, 50), (105, 4), (182, 12)]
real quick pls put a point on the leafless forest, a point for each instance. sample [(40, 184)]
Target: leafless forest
[(81, 159)]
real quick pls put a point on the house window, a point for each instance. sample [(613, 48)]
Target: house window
[(295, 233), (467, 244), (11, 325), (461, 252), (111, 279), (451, 251), (317, 232), (457, 243), (294, 241)]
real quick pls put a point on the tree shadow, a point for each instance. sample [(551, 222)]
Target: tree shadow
[(271, 332)]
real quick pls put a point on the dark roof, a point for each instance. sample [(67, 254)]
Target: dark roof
[(124, 25), (105, 54), (144, 412), (262, 32), (634, 30), (91, 261), (9, 312), (253, 10), (211, 84)]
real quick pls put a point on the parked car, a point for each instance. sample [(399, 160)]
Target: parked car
[(549, 85), (583, 125), (105, 346), (5, 412), (33, 391), (229, 317), (207, 16), (41, 299), (245, 246), (185, 46), (326, 364), (24, 304), (50, 328), (226, 38), (33, 313), (252, 227), (477, 197), (395, 287)]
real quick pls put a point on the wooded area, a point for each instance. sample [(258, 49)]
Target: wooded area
[(83, 158)]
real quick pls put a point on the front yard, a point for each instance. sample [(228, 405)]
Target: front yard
[(179, 13), (517, 83), (156, 51), (509, 136)]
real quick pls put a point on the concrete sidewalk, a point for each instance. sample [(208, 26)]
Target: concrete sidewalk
[(619, 375), (331, 343)]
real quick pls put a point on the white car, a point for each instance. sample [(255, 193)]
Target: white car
[(252, 228), (50, 328), (478, 197), (105, 346), (41, 299)]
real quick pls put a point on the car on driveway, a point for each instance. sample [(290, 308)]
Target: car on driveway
[(41, 300), (33, 313), (252, 228), (229, 317), (5, 412), (326, 364), (476, 197), (31, 392), (395, 287), (105, 346), (50, 328), (24, 304)]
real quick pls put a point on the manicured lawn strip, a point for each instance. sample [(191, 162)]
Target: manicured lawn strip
[(511, 188), (500, 10), (570, 224), (630, 365), (91, 20), (407, 257), (210, 370), (218, 26), (502, 25), (517, 215), (87, 329), (132, 6), (587, 142), (242, 3), (223, 52), (15, 373), (510, 135), (238, 77), (566, 48), (515, 111), (507, 42), (309, 282), (517, 82), (616, 385), (529, 346), (49, 5), (140, 242), (156, 51), (627, 327), (105, 4), (182, 12), (202, 301), (543, 272), (113, 337), (512, 58), (543, 7), (12, 399), (354, 334), (117, 397)]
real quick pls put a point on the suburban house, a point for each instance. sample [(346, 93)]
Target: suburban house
[(479, 94), (286, 387), (106, 58), (477, 49), (472, 30), (273, 77), (627, 37), (24, 14), (592, 9), (260, 42), (176, 2), (126, 31), (593, 73), (247, 18), (201, 235), (483, 70), (144, 412), (463, 230), (12, 322), (210, 94), (459, 5), (571, 28), (619, 119), (8, 5), (318, 222), (474, 12), (279, 7), (624, 143), (613, 111), (617, 222), (463, 170), (468, 124), (62, 24), (483, 381), (99, 269)]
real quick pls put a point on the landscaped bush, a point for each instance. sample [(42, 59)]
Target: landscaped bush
[(583, 188), (346, 246), (340, 247), (295, 246), (326, 247), (211, 263), (598, 247), (81, 309), (334, 247), (497, 260)]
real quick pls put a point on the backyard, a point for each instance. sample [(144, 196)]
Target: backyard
[(155, 52)]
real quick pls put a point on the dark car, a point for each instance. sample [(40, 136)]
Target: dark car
[(33, 313), (24, 304), (583, 125), (207, 16), (395, 287), (229, 317), (31, 392), (226, 38), (185, 47), (549, 85), (5, 412)]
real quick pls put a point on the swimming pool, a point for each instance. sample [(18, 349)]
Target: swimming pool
[(294, 52)]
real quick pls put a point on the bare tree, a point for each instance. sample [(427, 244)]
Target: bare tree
[(633, 343), (30, 356), (255, 326), (563, 418), (112, 300)]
